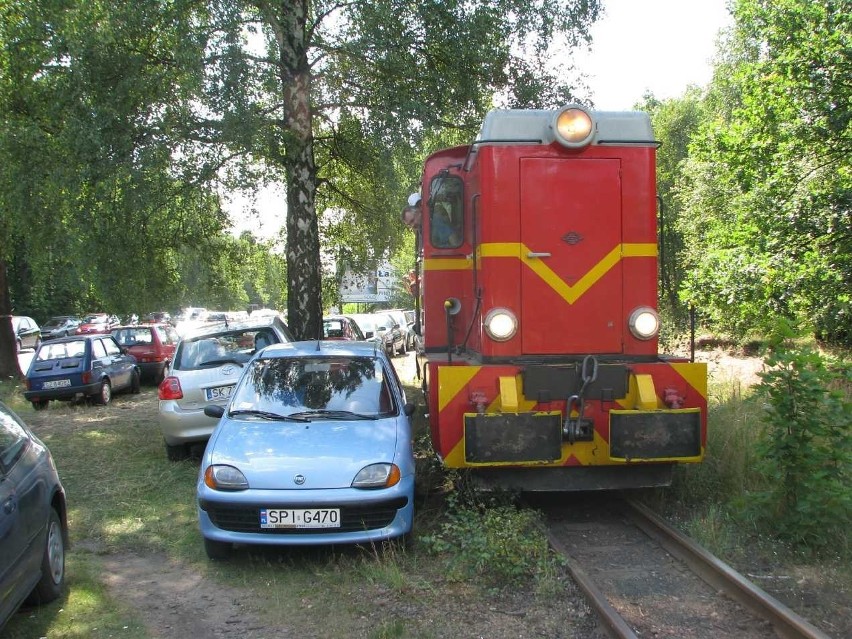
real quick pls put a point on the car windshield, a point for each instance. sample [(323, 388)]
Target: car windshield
[(323, 387), (61, 350), (235, 347)]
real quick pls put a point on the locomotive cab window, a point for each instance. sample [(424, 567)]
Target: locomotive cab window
[(446, 209)]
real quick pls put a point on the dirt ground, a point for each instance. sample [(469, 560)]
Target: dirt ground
[(174, 601)]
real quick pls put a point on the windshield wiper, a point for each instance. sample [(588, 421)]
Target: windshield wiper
[(265, 414), (333, 414)]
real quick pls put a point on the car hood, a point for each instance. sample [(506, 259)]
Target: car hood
[(328, 454)]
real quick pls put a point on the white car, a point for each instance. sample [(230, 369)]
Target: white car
[(204, 370)]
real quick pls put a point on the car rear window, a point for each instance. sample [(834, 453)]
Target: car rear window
[(237, 347), (61, 350), (133, 336)]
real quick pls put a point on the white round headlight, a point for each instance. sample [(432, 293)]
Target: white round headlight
[(644, 322), (574, 126), (500, 324)]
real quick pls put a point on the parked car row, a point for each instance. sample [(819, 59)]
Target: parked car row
[(304, 442)]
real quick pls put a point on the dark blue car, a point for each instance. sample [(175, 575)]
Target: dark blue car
[(82, 366), (33, 523)]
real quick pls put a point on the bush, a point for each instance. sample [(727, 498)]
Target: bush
[(805, 451), (494, 542)]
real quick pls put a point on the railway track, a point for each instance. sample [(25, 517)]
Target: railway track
[(645, 579)]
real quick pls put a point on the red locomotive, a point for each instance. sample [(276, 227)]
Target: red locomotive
[(538, 261)]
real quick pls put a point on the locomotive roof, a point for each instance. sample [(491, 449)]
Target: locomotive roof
[(536, 124)]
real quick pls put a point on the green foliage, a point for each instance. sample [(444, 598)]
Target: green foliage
[(674, 122), (806, 451), (768, 184), (492, 541)]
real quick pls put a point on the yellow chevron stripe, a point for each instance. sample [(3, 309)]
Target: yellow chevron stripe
[(519, 251), (451, 380)]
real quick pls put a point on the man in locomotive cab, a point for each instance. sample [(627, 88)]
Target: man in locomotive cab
[(412, 217), (445, 222)]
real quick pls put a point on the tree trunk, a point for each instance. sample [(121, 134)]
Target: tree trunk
[(9, 368), (304, 279)]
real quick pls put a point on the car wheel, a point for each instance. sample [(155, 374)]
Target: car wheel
[(106, 393), (220, 550), (41, 404), (177, 453), (135, 383), (52, 579)]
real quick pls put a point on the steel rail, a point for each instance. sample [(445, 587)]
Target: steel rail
[(718, 574), (612, 622)]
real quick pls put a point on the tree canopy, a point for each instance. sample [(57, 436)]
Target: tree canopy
[(766, 200)]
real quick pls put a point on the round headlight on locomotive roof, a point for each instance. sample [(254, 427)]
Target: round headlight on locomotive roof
[(644, 322), (501, 324), (574, 126)]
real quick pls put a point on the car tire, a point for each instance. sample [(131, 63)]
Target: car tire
[(218, 550), (177, 453), (103, 398), (40, 404), (52, 580), (135, 382)]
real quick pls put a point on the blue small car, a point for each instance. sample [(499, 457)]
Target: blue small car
[(81, 366), (33, 521), (314, 447)]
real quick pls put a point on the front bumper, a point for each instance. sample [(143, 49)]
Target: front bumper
[(367, 515)]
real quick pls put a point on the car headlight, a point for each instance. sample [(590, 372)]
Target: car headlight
[(500, 324), (222, 477), (644, 322), (573, 126), (377, 476)]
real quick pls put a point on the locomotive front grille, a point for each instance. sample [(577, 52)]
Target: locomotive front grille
[(524, 437), (246, 519)]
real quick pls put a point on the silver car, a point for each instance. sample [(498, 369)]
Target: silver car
[(205, 368)]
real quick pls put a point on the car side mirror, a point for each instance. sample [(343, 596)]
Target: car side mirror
[(368, 334), (409, 409), (382, 329), (214, 410)]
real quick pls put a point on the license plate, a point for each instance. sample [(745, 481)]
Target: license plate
[(300, 518), (57, 383), (219, 392)]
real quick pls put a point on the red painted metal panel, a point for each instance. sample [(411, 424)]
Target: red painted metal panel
[(570, 221)]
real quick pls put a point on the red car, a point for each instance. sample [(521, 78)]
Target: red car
[(153, 346), (96, 323)]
